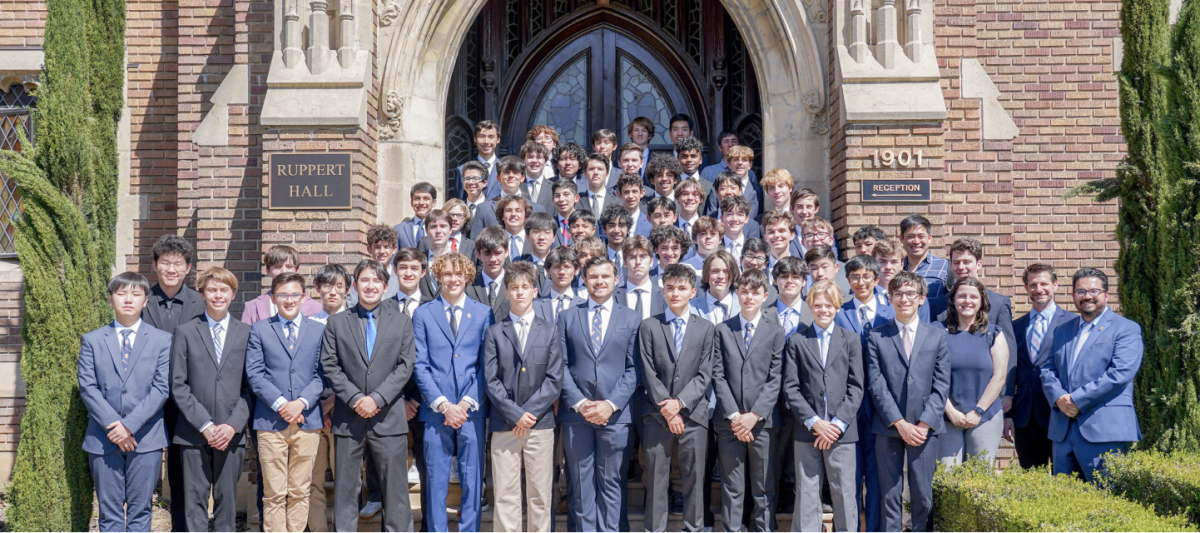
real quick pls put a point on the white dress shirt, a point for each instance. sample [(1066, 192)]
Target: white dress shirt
[(554, 299), (734, 246), (535, 184), (869, 305), (646, 286), (134, 327), (727, 301), (1082, 336), (520, 242), (824, 337), (792, 321), (528, 318)]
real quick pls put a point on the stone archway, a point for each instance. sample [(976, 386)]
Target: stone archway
[(420, 41)]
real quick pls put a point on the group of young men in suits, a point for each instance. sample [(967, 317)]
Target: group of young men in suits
[(608, 345)]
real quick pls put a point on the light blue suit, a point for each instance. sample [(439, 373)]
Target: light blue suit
[(452, 367), (274, 372), (1100, 383), (125, 481), (405, 233)]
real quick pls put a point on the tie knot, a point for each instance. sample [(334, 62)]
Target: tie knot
[(750, 326), (678, 322), (521, 322), (370, 315), (126, 332)]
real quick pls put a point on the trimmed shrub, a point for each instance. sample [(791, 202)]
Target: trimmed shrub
[(973, 497), (1170, 483)]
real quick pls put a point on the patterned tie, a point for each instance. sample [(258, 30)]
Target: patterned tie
[(514, 251), (521, 333), (217, 341), (749, 335), (866, 322), (291, 335), (1039, 333), (617, 261), (420, 229), (492, 292), (907, 335), (126, 349), (678, 336), (370, 335), (453, 310), (566, 230), (562, 306), (597, 329)]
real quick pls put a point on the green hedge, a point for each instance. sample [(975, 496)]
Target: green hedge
[(973, 497), (1168, 482)]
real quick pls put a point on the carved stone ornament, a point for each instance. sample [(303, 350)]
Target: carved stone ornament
[(718, 76), (816, 11), (488, 81), (391, 12), (815, 106), (392, 108)]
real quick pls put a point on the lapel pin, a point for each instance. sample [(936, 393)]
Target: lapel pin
[(468, 315), (1101, 328)]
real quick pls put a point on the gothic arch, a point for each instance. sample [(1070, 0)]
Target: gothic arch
[(420, 41)]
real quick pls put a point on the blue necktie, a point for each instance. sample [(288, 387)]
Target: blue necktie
[(513, 251), (597, 330), (749, 335), (678, 322), (290, 327), (370, 335), (420, 229), (126, 349), (1039, 333)]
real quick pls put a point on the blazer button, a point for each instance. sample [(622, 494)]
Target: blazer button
[(368, 372), (910, 379), (522, 369), (123, 391), (456, 356), (122, 415), (218, 378)]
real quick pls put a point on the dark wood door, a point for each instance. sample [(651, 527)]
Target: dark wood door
[(600, 79)]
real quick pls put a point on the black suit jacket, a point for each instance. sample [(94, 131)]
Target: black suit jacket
[(478, 291), (522, 381), (204, 390), (811, 388), (749, 381), (156, 315), (351, 376), (545, 195), (1029, 401), (684, 375), (658, 302), (466, 247)]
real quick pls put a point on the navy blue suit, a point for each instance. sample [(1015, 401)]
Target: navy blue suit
[(1100, 383), (597, 457), (868, 470), (406, 238), (135, 397), (275, 372), (913, 389), (1030, 411), (451, 367)]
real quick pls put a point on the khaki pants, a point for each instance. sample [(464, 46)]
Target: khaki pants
[(318, 501), (536, 452), (287, 464)]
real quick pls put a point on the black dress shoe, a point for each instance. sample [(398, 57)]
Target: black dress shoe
[(676, 503)]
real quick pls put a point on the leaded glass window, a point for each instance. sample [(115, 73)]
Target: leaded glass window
[(564, 103), (15, 103), (640, 96)]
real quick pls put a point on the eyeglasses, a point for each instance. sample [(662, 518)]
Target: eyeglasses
[(458, 215), (177, 265), (821, 235), (755, 258), (473, 178), (906, 295), (289, 297), (1080, 293)]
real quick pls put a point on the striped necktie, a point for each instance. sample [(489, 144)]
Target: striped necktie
[(217, 340), (597, 329), (1039, 334), (749, 334), (678, 334), (290, 327)]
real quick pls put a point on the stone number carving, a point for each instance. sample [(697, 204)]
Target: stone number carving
[(904, 158)]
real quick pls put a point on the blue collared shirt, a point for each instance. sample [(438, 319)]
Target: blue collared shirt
[(1047, 314)]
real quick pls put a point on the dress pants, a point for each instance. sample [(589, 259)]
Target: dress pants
[(533, 454), (742, 461), (391, 460), (416, 441), (866, 482), (1075, 455), (1034, 448), (209, 470), (891, 453), (318, 500), (443, 443), (597, 464), (813, 468), (956, 444), (174, 468), (689, 450), (125, 484), (286, 458)]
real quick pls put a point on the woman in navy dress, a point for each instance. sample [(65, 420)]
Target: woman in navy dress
[(978, 367)]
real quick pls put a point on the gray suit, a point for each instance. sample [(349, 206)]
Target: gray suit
[(832, 390), (683, 375), (208, 391), (351, 375), (748, 381), (913, 389), (134, 397)]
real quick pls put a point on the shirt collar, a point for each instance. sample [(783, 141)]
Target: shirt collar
[(487, 280), (491, 162), (569, 293), (607, 306), (158, 291), (869, 304), (1048, 312), (224, 322), (821, 332), (755, 322), (741, 238), (462, 300), (646, 285), (781, 307), (134, 327), (671, 316), (916, 321), (1097, 319), (727, 300), (527, 317)]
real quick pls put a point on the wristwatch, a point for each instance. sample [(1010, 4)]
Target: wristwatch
[(979, 410)]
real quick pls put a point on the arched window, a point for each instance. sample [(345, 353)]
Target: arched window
[(15, 103)]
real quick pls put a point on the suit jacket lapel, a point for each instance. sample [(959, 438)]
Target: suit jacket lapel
[(466, 316), (611, 324), (277, 325), (669, 333), (358, 333), (1100, 323), (894, 330), (812, 344), (113, 343), (206, 335), (510, 331), (439, 316)]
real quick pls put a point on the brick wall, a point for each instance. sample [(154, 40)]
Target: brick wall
[(1052, 61), (22, 22)]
